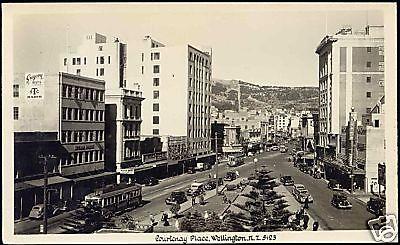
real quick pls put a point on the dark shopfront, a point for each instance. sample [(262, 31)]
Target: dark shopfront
[(343, 175)]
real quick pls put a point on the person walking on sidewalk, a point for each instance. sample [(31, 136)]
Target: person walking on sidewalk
[(306, 203), (193, 200), (315, 226), (305, 221)]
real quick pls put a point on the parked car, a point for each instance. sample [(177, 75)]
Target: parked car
[(210, 185), (244, 182), (191, 170), (339, 200), (376, 206), (335, 185), (229, 176), (150, 181), (250, 154), (231, 187), (37, 211), (275, 148), (300, 193), (283, 149), (176, 197), (195, 189), (287, 180)]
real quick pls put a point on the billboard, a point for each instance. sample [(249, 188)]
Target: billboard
[(34, 85)]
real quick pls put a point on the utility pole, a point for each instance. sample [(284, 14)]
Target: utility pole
[(216, 161), (45, 183)]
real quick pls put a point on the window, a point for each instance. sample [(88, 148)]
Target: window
[(369, 64), (381, 66), (78, 61), (369, 49), (16, 113), (101, 59), (156, 81), (15, 90), (155, 56), (190, 70), (156, 94), (368, 94), (156, 131), (381, 50), (368, 79), (78, 72), (142, 69), (368, 110), (381, 83), (84, 60), (65, 61), (73, 61), (101, 71), (376, 123), (156, 107), (97, 72), (156, 119), (100, 48), (156, 69), (142, 57), (109, 59)]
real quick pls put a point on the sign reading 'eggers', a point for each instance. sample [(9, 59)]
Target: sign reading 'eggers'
[(34, 85)]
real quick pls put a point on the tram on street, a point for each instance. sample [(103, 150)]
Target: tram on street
[(115, 198)]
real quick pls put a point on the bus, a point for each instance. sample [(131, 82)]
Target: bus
[(115, 198), (235, 160)]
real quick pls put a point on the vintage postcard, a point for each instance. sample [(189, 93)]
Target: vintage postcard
[(199, 123)]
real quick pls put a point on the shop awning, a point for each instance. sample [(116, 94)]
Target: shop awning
[(51, 181), (94, 176), (20, 186), (173, 162)]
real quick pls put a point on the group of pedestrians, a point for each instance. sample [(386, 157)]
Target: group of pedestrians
[(301, 215)]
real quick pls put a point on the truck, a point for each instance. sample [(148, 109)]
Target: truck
[(201, 166)]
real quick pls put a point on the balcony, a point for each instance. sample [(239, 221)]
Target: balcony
[(131, 93)]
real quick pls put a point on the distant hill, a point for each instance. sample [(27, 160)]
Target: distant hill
[(224, 96)]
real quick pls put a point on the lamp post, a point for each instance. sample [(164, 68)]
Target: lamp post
[(45, 159)]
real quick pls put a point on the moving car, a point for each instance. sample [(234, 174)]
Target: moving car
[(195, 189), (229, 176), (191, 170), (37, 211), (300, 193), (335, 185), (287, 180), (376, 206), (339, 200), (210, 185), (150, 181), (176, 197), (283, 149)]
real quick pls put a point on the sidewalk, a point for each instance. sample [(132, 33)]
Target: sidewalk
[(294, 205)]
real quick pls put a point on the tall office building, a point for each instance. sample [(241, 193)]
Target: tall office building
[(176, 82), (351, 74), (106, 59)]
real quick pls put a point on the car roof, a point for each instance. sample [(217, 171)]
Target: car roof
[(298, 185)]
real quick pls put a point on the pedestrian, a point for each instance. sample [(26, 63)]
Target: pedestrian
[(193, 200), (237, 173), (152, 220), (306, 203), (315, 225), (305, 221), (209, 175)]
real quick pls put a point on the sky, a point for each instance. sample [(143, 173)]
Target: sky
[(258, 43)]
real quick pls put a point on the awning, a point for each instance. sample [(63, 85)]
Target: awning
[(204, 156), (20, 186), (94, 176), (173, 162), (51, 181), (160, 163)]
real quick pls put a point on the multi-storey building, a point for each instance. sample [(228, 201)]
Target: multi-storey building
[(176, 82), (351, 74), (60, 115), (106, 59)]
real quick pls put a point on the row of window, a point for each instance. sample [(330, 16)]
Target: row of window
[(16, 113), (199, 59), (199, 109), (197, 97), (84, 157), (131, 111), (77, 61), (380, 50), (199, 73), (81, 136), (15, 90), (131, 130), (122, 197), (76, 92), (82, 114), (131, 151)]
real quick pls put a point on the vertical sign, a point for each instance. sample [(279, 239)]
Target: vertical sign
[(34, 85), (381, 174)]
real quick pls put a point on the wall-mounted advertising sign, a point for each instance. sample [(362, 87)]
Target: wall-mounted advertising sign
[(34, 85)]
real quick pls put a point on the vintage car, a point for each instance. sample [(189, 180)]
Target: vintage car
[(287, 180), (229, 176), (176, 197), (195, 189), (376, 206), (300, 193), (335, 185), (339, 200), (210, 185), (150, 181), (37, 211)]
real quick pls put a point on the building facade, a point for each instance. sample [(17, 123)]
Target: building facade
[(351, 74), (162, 71)]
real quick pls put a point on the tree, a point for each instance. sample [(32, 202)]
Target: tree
[(175, 208)]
